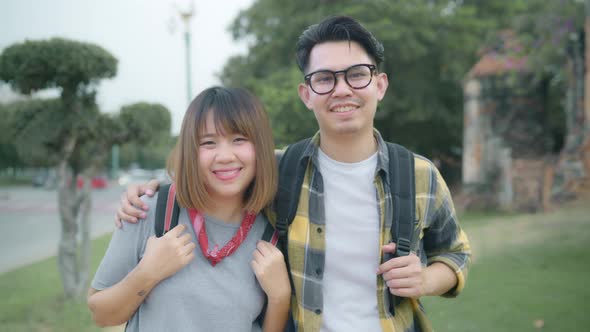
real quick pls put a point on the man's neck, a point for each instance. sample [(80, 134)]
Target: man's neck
[(349, 148)]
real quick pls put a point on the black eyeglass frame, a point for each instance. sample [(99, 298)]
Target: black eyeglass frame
[(372, 70)]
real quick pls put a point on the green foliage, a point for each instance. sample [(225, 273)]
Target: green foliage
[(149, 128), (148, 156), (8, 154), (38, 129), (546, 31), (55, 63), (290, 119), (146, 122)]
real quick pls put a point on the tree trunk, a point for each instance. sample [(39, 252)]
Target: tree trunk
[(85, 244), (67, 253), (74, 274)]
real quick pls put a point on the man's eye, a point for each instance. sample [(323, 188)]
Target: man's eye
[(325, 79), (357, 74)]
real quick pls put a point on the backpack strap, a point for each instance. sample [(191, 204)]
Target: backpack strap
[(167, 210), (402, 185), (270, 234), (291, 174)]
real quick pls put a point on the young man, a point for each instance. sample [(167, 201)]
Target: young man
[(339, 242)]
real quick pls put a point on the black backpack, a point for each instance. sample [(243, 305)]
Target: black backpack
[(167, 212), (401, 182)]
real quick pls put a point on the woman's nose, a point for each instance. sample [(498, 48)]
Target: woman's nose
[(225, 152)]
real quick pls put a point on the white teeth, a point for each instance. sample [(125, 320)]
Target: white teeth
[(226, 173), (343, 109)]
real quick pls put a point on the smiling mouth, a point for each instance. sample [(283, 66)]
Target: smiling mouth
[(343, 109), (227, 174)]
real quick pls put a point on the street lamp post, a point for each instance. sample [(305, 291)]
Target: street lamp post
[(186, 14)]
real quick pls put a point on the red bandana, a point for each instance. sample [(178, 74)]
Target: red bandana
[(216, 255)]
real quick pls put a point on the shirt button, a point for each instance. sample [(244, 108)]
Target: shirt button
[(319, 229), (318, 311), (318, 271)]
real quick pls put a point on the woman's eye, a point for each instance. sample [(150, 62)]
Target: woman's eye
[(207, 143), (240, 139)]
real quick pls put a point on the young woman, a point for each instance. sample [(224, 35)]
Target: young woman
[(224, 172)]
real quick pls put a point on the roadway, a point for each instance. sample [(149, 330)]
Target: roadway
[(30, 226)]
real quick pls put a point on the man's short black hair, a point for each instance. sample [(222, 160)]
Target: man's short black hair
[(337, 28)]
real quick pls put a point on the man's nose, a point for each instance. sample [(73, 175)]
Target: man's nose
[(341, 88)]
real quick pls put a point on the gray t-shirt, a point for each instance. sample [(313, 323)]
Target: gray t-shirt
[(199, 297)]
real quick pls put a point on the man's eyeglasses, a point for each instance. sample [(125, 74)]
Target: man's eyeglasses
[(324, 81)]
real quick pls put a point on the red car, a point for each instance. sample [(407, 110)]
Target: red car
[(98, 182)]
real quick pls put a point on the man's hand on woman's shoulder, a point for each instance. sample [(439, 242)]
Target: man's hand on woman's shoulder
[(132, 207)]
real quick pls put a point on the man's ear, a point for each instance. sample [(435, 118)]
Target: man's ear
[(303, 92), (382, 84)]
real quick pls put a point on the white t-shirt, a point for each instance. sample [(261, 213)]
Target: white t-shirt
[(352, 245)]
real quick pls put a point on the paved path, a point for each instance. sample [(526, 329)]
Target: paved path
[(30, 226)]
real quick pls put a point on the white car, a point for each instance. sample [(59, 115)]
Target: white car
[(135, 176)]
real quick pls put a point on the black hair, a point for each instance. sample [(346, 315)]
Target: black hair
[(337, 28)]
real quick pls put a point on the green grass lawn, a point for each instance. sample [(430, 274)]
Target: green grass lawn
[(526, 268), (32, 298)]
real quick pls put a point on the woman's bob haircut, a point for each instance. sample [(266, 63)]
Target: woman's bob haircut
[(234, 110)]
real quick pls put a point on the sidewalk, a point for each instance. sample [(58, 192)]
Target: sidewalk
[(29, 222)]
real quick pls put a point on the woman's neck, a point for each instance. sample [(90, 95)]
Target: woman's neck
[(231, 212)]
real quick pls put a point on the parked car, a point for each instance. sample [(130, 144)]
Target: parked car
[(97, 182), (135, 176)]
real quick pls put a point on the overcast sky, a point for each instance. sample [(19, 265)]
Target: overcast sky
[(146, 36)]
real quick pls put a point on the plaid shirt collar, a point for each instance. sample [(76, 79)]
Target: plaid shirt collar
[(311, 152)]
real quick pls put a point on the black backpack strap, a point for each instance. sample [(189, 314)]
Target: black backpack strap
[(167, 210), (402, 184), (291, 173), (270, 234), (403, 188)]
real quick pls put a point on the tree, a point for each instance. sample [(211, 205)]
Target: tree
[(151, 124), (74, 68)]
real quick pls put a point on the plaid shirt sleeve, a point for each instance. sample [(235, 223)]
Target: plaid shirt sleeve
[(442, 239)]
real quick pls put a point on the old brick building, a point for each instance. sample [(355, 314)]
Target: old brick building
[(506, 149)]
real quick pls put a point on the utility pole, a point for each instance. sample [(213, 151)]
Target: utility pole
[(186, 14)]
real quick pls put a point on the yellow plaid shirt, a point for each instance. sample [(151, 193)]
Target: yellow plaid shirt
[(441, 240)]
